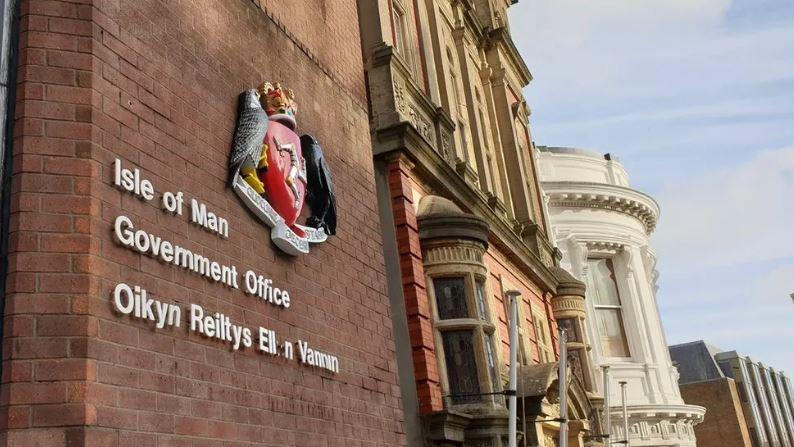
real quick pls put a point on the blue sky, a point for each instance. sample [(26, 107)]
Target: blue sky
[(696, 98)]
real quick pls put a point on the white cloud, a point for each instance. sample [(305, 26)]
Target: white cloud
[(726, 255), (745, 312), (592, 39), (742, 213), (687, 93)]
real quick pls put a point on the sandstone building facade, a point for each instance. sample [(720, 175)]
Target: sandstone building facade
[(464, 222), (154, 84), (602, 227)]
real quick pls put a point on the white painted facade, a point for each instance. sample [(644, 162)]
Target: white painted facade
[(596, 216)]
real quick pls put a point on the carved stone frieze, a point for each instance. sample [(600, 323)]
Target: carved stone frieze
[(462, 252), (421, 123), (399, 96), (568, 304), (446, 145)]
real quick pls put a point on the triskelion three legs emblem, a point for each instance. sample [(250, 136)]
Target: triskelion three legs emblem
[(271, 173), (297, 169)]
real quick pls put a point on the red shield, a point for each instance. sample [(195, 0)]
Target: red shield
[(285, 185)]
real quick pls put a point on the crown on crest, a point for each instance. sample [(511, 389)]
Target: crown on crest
[(278, 102)]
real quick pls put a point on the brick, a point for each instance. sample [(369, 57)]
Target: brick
[(74, 131), (64, 243), (30, 90), (60, 414), (68, 204), (35, 262), (47, 75), (71, 166), (53, 41), (117, 375), (66, 59), (70, 94), (64, 369), (36, 393), (66, 325), (52, 8), (36, 109), (70, 26)]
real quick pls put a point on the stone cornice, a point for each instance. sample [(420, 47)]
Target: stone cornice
[(600, 195), (404, 138), (685, 411), (502, 36)]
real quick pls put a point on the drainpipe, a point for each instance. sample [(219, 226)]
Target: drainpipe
[(9, 43)]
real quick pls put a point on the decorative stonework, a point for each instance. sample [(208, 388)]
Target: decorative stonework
[(611, 197), (568, 304), (462, 252), (399, 96), (446, 145), (421, 124), (604, 246)]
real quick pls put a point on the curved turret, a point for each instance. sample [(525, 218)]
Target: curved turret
[(602, 227)]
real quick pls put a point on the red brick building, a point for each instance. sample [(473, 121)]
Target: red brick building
[(155, 85), (724, 424)]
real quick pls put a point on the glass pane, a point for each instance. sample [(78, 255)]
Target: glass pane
[(613, 337), (540, 329), (569, 324), (480, 289), (602, 285), (450, 298), (464, 383), (491, 360), (575, 362), (399, 31)]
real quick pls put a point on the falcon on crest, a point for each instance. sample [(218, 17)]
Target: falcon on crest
[(249, 136)]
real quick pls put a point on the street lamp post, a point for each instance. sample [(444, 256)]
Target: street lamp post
[(563, 388), (512, 441)]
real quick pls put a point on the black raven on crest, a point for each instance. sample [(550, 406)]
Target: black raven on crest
[(319, 187)]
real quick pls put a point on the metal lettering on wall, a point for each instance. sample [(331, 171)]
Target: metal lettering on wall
[(269, 173)]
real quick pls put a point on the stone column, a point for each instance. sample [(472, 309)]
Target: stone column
[(568, 306)]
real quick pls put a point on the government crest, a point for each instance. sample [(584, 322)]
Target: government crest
[(274, 172)]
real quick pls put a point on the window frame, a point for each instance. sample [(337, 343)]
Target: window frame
[(540, 323), (482, 326), (620, 307)]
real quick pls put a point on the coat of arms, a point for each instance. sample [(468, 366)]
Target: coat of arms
[(274, 171)]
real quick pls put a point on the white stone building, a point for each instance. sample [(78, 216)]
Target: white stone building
[(602, 227)]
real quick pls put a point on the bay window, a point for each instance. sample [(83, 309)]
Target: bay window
[(466, 337)]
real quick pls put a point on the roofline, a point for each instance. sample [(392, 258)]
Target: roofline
[(577, 151)]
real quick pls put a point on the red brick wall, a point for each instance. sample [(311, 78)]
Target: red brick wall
[(155, 83), (503, 271), (417, 307), (723, 425)]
